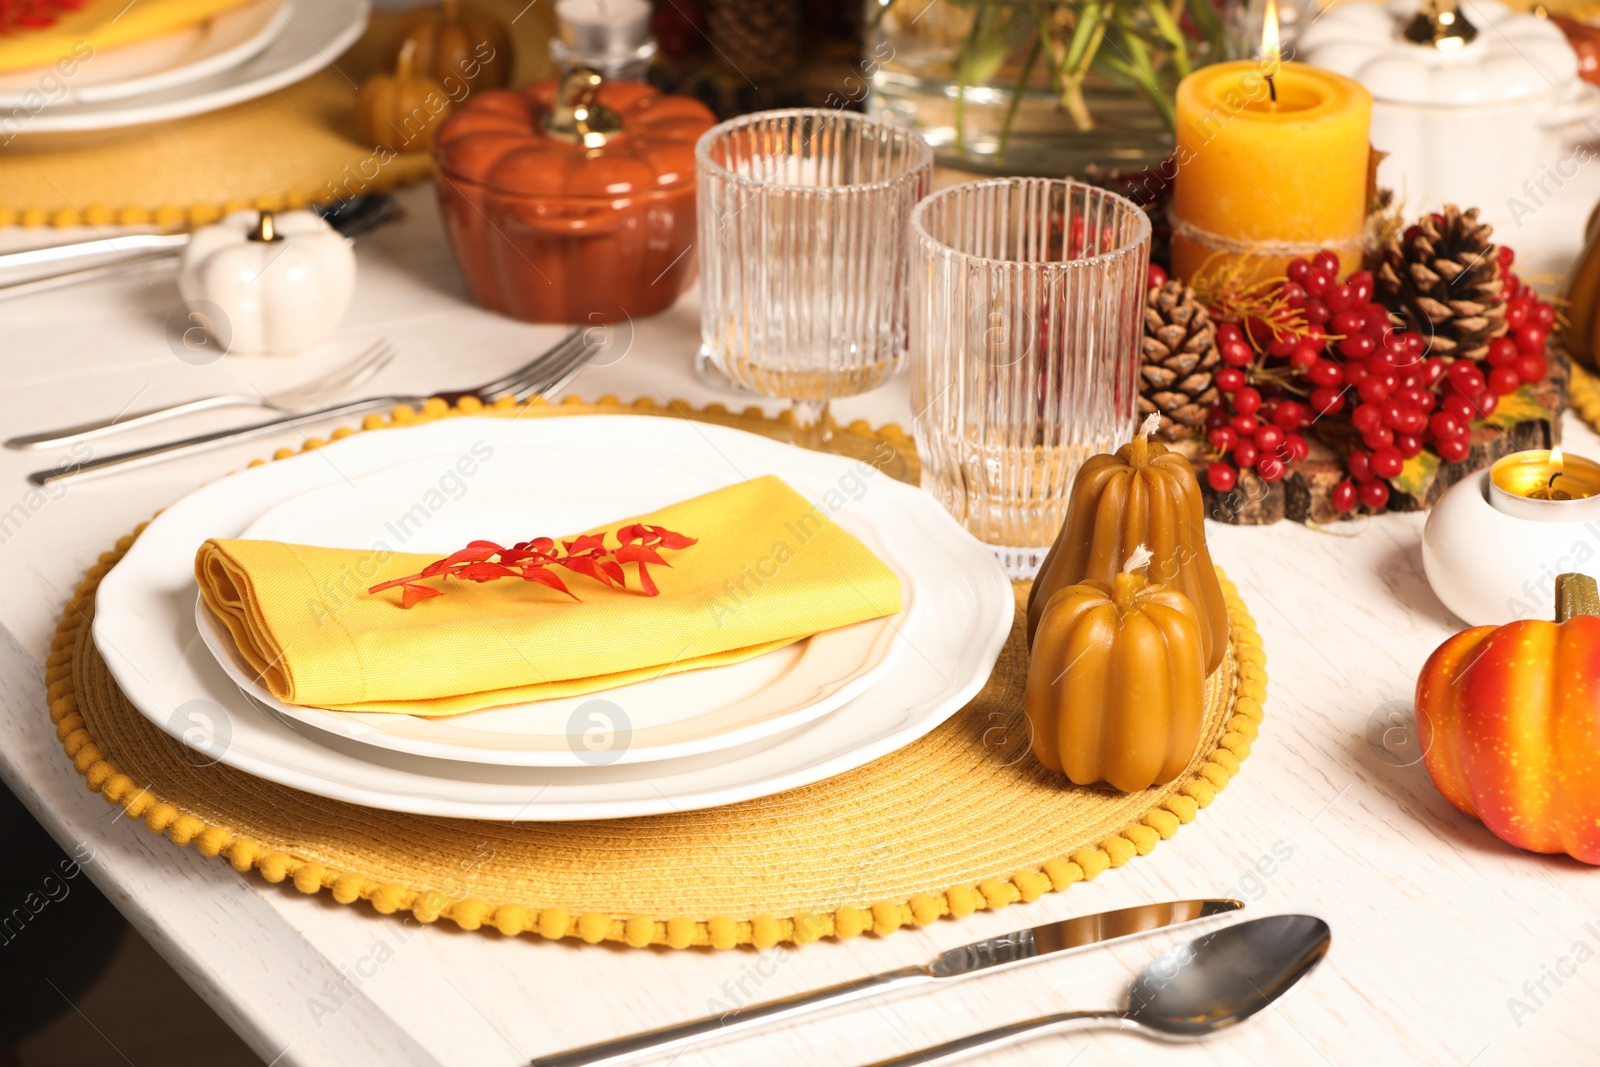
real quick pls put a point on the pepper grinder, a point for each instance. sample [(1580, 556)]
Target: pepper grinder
[(609, 36)]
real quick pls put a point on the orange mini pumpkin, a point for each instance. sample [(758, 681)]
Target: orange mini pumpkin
[(458, 44), (1116, 683), (399, 112), (1508, 718)]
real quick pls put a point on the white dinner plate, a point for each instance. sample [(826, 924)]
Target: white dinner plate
[(308, 38), (145, 625), (217, 44), (669, 717)]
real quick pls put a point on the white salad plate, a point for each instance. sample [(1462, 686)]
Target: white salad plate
[(306, 39), (217, 44), (668, 717), (576, 472)]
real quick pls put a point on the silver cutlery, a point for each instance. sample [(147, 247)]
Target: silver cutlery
[(55, 266), (1188, 992), (981, 957), (293, 401), (544, 376)]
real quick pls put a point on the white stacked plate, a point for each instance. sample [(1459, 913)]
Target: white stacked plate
[(241, 54), (698, 739)]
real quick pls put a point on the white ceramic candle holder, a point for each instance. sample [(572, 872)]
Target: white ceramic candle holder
[(1491, 568)]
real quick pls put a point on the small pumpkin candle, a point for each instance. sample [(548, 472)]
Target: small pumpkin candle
[(1116, 683), (1144, 494)]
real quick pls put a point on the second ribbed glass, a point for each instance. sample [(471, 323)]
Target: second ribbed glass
[(1027, 309)]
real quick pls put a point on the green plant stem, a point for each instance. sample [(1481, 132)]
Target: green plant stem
[(1080, 55), (1016, 97)]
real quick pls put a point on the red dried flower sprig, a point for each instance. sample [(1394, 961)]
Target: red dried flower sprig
[(532, 561)]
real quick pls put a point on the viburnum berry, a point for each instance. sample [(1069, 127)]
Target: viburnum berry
[(1230, 379), (1269, 437), (1359, 463), (1247, 401), (1366, 417), (1453, 449), (1344, 496), (1409, 444), (1374, 494), (1155, 277), (1294, 448), (1504, 380), (1270, 467), (1221, 477), (1531, 339), (1528, 368), (1325, 372), (1327, 400), (1326, 261), (1387, 462), (1245, 453), (1245, 425), (1223, 438)]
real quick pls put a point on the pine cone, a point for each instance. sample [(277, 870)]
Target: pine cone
[(1443, 277), (759, 40), (1180, 358)]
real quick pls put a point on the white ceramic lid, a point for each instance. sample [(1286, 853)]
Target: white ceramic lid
[(1514, 57)]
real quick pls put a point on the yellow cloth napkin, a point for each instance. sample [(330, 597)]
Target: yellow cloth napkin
[(102, 24), (770, 568)]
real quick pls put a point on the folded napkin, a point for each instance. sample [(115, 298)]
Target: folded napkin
[(77, 36), (770, 568)]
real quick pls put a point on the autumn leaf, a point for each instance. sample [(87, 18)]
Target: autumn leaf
[(585, 555), (1518, 407), (1416, 474)]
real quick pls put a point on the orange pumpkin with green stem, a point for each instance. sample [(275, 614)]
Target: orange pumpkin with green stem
[(1509, 722)]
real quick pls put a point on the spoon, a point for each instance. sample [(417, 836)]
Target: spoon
[(1188, 992)]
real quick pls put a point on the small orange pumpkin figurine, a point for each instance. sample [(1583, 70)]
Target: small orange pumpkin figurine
[(399, 112), (1509, 722), (1116, 682)]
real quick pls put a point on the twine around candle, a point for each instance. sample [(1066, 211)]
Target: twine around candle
[(1264, 249)]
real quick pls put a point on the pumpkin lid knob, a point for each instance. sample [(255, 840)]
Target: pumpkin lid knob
[(578, 117), (1576, 594), (265, 229), (1441, 24)]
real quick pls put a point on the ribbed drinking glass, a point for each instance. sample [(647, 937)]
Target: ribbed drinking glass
[(803, 257), (1027, 311)]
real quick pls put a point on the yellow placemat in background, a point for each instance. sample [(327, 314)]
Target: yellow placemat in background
[(962, 820), (286, 149)]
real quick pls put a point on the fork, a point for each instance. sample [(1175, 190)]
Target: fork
[(293, 401), (545, 375)]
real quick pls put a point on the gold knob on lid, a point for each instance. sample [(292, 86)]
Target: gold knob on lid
[(577, 116), (1440, 24), (266, 229)]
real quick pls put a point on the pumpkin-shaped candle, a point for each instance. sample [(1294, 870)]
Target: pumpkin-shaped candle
[(1116, 683), (1145, 494)]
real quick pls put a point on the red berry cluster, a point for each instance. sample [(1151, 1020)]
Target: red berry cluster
[(1354, 366)]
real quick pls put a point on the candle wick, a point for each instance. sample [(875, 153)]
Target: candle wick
[(1551, 483), (1272, 89)]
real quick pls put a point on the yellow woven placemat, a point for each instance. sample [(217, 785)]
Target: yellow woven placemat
[(961, 820), (290, 148)]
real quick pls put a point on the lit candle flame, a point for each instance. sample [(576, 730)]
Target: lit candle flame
[(1271, 54), (1270, 50)]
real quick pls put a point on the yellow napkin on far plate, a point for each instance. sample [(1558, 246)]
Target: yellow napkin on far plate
[(78, 35), (770, 568)]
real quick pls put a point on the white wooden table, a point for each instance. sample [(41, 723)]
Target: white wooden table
[(1449, 947)]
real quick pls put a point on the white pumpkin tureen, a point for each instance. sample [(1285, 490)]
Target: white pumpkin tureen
[(1470, 102)]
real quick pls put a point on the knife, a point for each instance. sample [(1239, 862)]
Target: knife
[(980, 957)]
